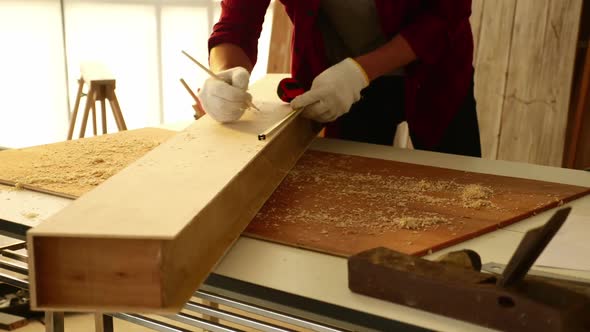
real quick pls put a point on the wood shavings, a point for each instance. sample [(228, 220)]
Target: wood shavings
[(414, 223), (30, 215), (76, 167)]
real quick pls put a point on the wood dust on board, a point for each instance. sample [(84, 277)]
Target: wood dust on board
[(76, 167), (30, 215), (325, 193)]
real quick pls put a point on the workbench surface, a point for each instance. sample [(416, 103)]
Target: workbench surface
[(323, 277)]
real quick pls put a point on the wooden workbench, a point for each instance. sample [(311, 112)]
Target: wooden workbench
[(323, 277)]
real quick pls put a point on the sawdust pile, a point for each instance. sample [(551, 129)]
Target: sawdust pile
[(78, 166), (335, 195), (30, 215), (414, 223), (476, 196)]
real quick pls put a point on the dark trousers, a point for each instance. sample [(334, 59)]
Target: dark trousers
[(375, 117)]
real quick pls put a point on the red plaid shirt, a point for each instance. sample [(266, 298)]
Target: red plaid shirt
[(437, 30)]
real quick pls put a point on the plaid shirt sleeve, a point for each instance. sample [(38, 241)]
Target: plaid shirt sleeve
[(240, 24)]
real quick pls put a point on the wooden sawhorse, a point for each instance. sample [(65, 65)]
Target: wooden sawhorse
[(102, 86)]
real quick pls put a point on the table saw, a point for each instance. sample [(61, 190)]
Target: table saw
[(311, 286)]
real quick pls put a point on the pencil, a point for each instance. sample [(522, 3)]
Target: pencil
[(212, 74)]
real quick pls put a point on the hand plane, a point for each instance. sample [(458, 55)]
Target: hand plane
[(509, 302)]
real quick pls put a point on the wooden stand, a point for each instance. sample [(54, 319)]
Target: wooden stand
[(102, 86)]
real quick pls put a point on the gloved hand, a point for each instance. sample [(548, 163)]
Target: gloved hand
[(226, 101), (333, 91)]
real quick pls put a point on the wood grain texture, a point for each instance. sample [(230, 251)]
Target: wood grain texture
[(475, 20), (583, 154), (341, 204), (538, 89), (192, 196), (492, 57)]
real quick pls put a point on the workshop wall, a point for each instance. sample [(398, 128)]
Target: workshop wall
[(524, 58)]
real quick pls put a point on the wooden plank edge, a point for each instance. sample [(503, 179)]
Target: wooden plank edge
[(76, 274), (266, 173), (62, 274), (36, 189)]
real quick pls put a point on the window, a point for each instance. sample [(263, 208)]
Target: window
[(33, 99), (140, 42)]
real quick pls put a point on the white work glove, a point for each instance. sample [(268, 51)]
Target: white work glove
[(226, 101), (333, 91)]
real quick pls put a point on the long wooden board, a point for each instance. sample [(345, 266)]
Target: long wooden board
[(342, 205), (297, 213), (147, 237), (62, 161)]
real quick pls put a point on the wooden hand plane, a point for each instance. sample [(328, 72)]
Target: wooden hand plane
[(509, 302)]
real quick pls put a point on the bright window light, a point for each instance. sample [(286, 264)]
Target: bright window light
[(33, 101), (124, 38)]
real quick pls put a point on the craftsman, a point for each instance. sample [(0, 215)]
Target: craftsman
[(368, 65)]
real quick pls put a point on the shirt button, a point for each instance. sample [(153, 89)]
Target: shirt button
[(310, 13)]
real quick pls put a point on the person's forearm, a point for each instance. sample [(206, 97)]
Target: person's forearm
[(387, 58), (226, 56)]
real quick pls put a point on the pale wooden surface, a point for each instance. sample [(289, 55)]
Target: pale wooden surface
[(187, 200), (279, 53), (538, 89), (524, 61), (492, 57), (28, 207), (203, 158), (475, 20)]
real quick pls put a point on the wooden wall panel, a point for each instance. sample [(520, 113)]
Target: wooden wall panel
[(475, 20), (279, 59), (492, 57), (536, 105)]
